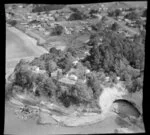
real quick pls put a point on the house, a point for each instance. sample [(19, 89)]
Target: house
[(87, 71), (73, 77), (127, 20), (29, 17), (67, 31), (20, 6), (107, 78), (47, 33), (118, 78), (51, 18), (37, 70), (56, 72), (120, 17), (86, 53), (67, 81), (75, 62)]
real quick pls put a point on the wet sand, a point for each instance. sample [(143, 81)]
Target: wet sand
[(19, 46), (13, 125)]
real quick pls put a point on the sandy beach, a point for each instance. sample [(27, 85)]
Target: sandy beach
[(19, 46)]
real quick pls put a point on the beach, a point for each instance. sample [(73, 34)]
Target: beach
[(20, 46)]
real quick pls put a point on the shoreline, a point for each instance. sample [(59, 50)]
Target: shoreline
[(70, 120), (26, 37)]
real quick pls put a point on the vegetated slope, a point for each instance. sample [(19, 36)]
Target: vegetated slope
[(118, 56), (52, 76), (37, 78)]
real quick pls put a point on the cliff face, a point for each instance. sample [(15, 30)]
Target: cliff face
[(109, 95)]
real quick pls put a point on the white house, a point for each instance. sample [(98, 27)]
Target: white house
[(67, 31), (75, 62), (118, 78), (86, 53), (73, 77), (127, 20), (87, 71), (37, 70), (107, 78)]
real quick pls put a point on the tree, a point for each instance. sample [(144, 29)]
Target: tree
[(50, 66), (132, 16), (8, 90), (74, 9), (34, 22), (95, 85), (114, 13), (104, 19), (98, 26), (12, 22), (18, 89), (72, 51), (117, 12), (53, 50), (84, 93), (92, 12), (87, 64), (75, 16), (115, 27), (144, 13), (65, 64), (39, 63), (23, 78), (57, 30)]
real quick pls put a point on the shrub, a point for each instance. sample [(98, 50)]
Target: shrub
[(17, 89), (115, 26), (74, 9), (132, 16), (12, 22), (68, 100), (114, 13)]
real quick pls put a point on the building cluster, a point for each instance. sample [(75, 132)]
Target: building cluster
[(131, 23)]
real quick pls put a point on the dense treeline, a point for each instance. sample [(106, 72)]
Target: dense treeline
[(77, 15), (118, 55), (46, 7), (12, 22)]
